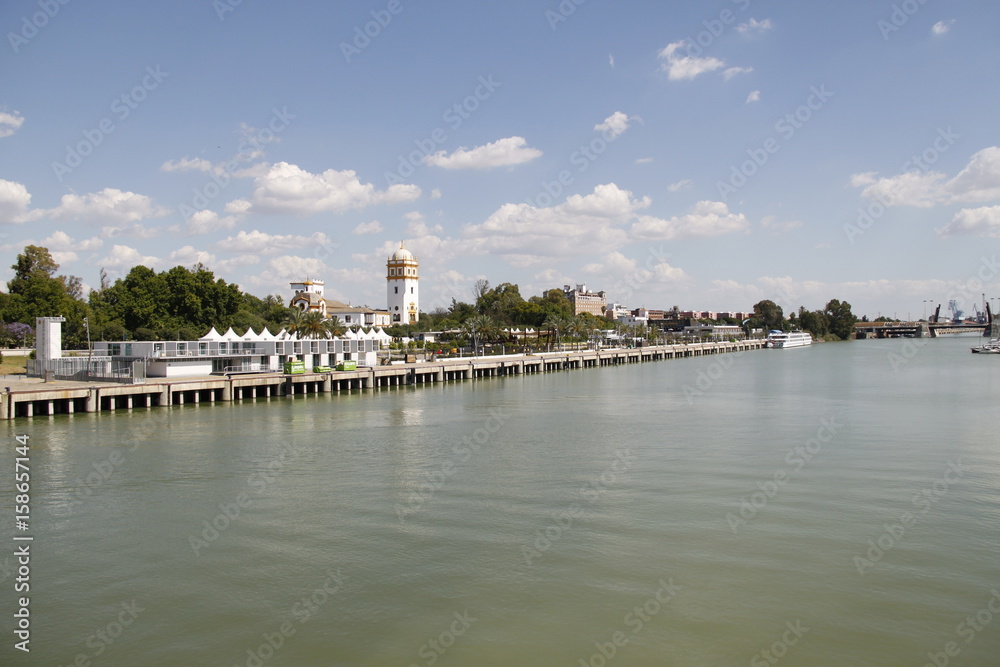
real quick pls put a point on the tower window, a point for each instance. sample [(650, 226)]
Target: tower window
[(392, 272), (397, 290), (411, 290)]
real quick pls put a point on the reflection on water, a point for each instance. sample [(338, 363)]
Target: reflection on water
[(565, 518)]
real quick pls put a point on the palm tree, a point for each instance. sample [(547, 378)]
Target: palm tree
[(314, 326), (295, 321), (480, 328), (557, 325), (336, 327)]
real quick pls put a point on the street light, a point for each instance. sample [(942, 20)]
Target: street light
[(90, 348)]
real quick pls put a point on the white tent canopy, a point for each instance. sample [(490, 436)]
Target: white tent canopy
[(212, 335)]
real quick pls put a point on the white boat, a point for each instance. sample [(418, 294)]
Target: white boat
[(992, 347), (782, 339)]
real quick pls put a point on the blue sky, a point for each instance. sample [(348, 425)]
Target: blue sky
[(705, 155)]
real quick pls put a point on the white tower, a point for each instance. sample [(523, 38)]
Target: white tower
[(403, 287)]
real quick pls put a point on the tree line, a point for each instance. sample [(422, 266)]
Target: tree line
[(183, 303), (834, 322), (176, 304)]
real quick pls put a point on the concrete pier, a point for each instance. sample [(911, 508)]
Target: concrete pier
[(34, 398)]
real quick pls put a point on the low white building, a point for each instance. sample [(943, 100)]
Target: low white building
[(308, 297), (716, 331), (251, 352)]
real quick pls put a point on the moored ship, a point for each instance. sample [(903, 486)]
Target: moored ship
[(783, 339)]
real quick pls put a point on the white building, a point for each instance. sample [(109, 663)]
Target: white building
[(308, 297), (251, 352), (403, 287)]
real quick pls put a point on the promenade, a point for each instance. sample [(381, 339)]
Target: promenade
[(34, 398)]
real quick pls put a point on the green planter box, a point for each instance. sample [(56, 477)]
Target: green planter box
[(295, 367), (347, 366)]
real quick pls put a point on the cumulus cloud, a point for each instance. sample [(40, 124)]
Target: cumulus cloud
[(754, 96), (416, 225), (107, 205), (189, 256), (60, 240), (730, 72), (501, 153), (206, 222), (614, 125), (526, 235), (754, 26), (10, 121), (941, 27), (364, 228), (772, 223), (983, 221), (288, 189), (186, 164), (14, 202), (979, 181), (680, 67), (122, 258), (261, 243), (684, 184), (706, 219), (131, 229)]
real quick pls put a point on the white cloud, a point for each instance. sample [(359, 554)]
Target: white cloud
[(123, 258), (436, 193), (983, 221), (771, 222), (979, 181), (526, 235), (189, 256), (614, 125), (261, 243), (275, 276), (730, 72), (238, 206), (941, 27), (373, 227), (643, 160), (681, 67), (754, 26), (60, 240), (10, 121), (186, 164), (754, 96), (861, 180), (287, 189), (614, 263), (14, 202), (107, 205), (684, 184), (706, 219), (501, 153), (132, 229), (233, 264), (416, 225), (206, 222)]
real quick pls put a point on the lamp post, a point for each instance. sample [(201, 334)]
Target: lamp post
[(90, 348)]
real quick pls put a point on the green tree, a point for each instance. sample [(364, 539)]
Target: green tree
[(35, 291), (295, 321), (767, 315), (842, 320), (815, 322)]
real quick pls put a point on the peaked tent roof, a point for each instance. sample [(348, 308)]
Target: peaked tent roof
[(212, 335)]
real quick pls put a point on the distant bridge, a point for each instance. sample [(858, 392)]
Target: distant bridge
[(914, 329)]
